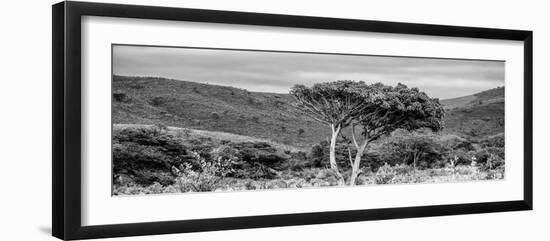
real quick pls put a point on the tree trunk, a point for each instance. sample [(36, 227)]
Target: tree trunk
[(356, 163), (414, 160), (332, 159), (416, 156)]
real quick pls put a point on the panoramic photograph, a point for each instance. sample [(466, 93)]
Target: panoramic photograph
[(188, 120)]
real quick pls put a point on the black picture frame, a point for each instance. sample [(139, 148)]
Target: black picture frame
[(66, 127)]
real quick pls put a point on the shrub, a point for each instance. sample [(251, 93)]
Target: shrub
[(202, 145), (206, 178), (318, 155), (157, 101), (251, 100), (460, 157), (161, 127), (456, 142), (491, 157), (402, 169), (307, 173), (327, 175), (252, 159), (229, 159), (215, 115), (493, 141), (297, 161), (147, 155), (262, 153), (297, 183), (384, 175), (416, 149), (147, 177), (120, 97)]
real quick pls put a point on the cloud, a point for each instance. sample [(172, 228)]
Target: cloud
[(278, 71)]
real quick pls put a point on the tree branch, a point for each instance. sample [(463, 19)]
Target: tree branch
[(349, 157), (353, 136)]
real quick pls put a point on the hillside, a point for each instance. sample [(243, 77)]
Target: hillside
[(476, 115), (198, 106), (186, 104), (489, 96)]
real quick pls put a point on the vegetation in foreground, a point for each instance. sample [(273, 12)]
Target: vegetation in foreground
[(159, 159)]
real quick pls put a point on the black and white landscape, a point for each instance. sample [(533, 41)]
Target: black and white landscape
[(195, 120)]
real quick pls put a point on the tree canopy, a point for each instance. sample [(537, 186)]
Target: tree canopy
[(332, 103), (390, 108)]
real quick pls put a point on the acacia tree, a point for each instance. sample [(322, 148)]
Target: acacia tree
[(386, 109), (334, 104)]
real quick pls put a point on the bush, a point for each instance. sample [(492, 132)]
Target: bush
[(157, 101), (494, 141), (147, 155), (417, 149), (202, 145), (230, 159), (384, 175), (325, 177), (262, 153), (253, 159), (297, 161), (318, 155), (205, 179), (491, 157), (455, 142), (215, 115), (120, 97), (460, 157)]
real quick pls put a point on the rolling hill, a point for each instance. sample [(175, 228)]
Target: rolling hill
[(186, 104), (198, 106), (495, 95), (476, 115)]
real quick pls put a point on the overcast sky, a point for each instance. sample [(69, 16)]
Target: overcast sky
[(277, 72)]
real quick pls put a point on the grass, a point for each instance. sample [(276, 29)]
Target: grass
[(316, 177), (159, 143)]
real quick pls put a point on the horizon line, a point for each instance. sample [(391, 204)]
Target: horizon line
[(168, 78)]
